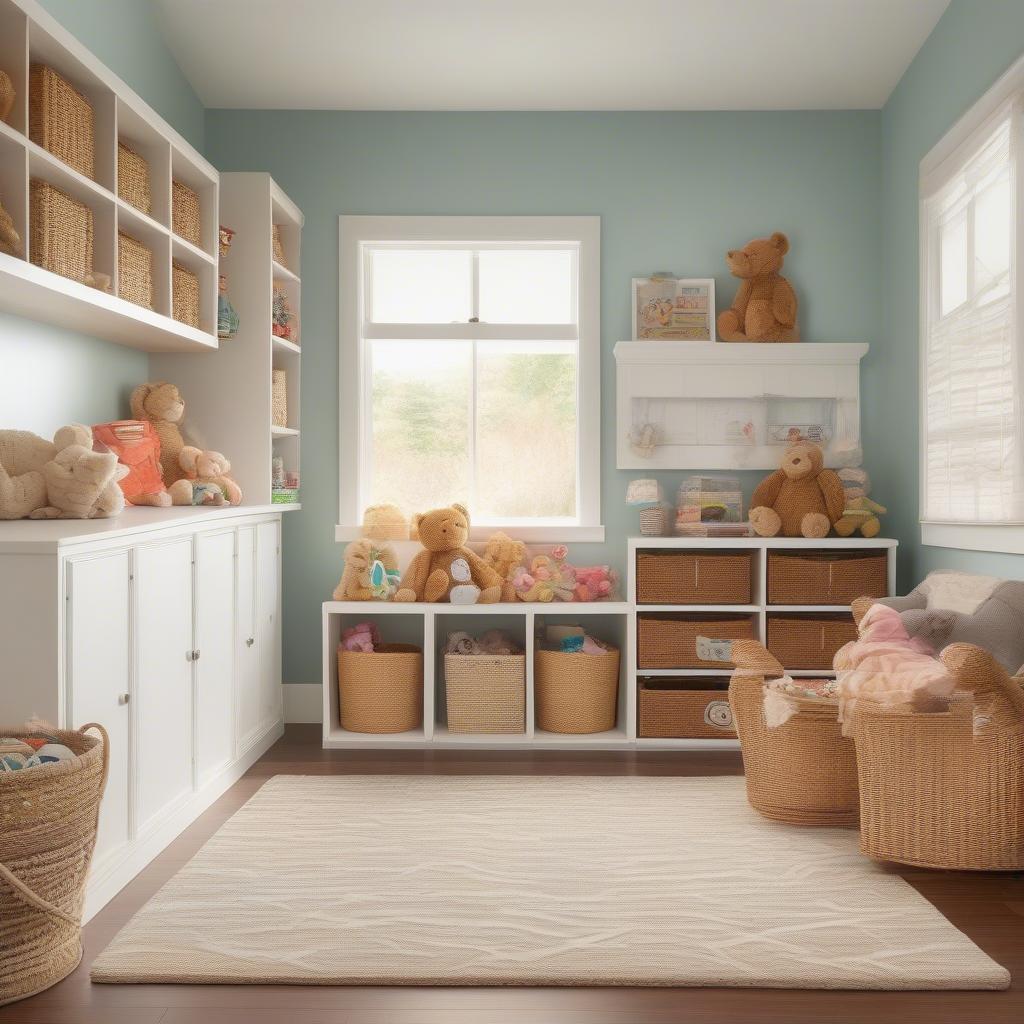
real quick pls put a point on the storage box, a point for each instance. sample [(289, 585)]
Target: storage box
[(709, 499), (826, 577), (279, 398), (684, 708), (133, 179), (485, 693), (382, 691), (576, 693), (672, 576), (666, 640), (134, 271), (61, 232), (61, 119), (186, 217), (185, 293), (809, 641)]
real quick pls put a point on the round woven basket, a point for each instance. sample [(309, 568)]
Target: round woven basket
[(381, 692), (50, 814), (576, 693)]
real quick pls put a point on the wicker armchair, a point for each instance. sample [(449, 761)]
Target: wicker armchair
[(946, 789)]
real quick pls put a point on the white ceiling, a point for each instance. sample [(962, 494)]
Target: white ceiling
[(546, 54)]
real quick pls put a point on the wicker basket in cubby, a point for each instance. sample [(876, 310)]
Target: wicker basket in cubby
[(185, 295), (809, 641), (576, 693), (186, 219), (485, 693), (61, 119), (134, 271), (133, 184), (279, 398), (693, 577), (669, 640), (686, 708), (826, 577), (381, 691), (61, 232)]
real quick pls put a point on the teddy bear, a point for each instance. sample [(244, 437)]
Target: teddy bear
[(208, 472), (362, 558), (801, 498), (504, 555), (385, 522), (765, 305), (446, 570)]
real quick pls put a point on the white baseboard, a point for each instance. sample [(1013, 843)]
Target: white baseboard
[(303, 702)]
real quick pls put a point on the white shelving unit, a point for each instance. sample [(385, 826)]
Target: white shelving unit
[(229, 391), (28, 35)]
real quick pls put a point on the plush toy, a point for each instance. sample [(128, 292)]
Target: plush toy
[(549, 578), (209, 470), (504, 555), (363, 637), (385, 522), (82, 484), (860, 512), (10, 240), (446, 570), (358, 581), (802, 498), (765, 305), (137, 448), (594, 583)]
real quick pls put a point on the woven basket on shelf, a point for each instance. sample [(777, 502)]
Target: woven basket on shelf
[(692, 577), (134, 271), (278, 246), (669, 640), (185, 295), (279, 398), (804, 771), (381, 692), (61, 232), (185, 213), (808, 641), (60, 119), (133, 184), (7, 95), (485, 693), (687, 708), (826, 577), (576, 693), (946, 789), (50, 815), (653, 521)]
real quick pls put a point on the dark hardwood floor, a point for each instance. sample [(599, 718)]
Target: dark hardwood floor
[(989, 908)]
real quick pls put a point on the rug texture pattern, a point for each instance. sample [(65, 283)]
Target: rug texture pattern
[(507, 880)]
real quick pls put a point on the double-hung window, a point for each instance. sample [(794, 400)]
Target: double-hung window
[(972, 427), (470, 370)]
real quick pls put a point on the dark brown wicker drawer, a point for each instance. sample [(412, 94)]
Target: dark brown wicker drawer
[(669, 639), (693, 577), (684, 708), (826, 577), (809, 641)]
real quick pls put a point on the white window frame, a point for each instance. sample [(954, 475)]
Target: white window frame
[(355, 232), (936, 167)]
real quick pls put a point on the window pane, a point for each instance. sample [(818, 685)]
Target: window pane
[(953, 264), (421, 286), (993, 214), (420, 426), (522, 286), (526, 430)]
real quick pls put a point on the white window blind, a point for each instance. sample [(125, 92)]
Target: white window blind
[(973, 443)]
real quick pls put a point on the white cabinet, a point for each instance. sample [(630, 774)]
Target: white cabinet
[(247, 672), (268, 602)]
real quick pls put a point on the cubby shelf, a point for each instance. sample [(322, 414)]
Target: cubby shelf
[(28, 35)]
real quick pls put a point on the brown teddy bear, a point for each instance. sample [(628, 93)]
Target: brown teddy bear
[(504, 555), (356, 583), (447, 570), (765, 305), (802, 498)]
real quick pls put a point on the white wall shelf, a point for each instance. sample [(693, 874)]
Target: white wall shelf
[(28, 34)]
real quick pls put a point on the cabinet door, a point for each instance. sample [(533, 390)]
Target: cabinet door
[(98, 673), (247, 677), (164, 645), (215, 644), (268, 622)]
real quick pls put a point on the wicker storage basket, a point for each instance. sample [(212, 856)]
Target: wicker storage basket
[(946, 789), (278, 247), (7, 95), (185, 295), (485, 693), (826, 577), (279, 398), (692, 577), (134, 271), (803, 772), (381, 692), (576, 693), (50, 814), (60, 119), (689, 708), (133, 178), (654, 521), (670, 640), (808, 641), (61, 232), (185, 213)]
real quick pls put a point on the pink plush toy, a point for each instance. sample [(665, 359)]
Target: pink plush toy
[(594, 583), (549, 578), (364, 636)]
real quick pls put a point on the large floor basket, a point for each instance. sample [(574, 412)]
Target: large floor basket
[(50, 814)]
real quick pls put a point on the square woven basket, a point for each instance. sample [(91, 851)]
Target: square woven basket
[(186, 217), (134, 271), (133, 184), (670, 641), (691, 708), (826, 577), (381, 691), (61, 119), (808, 641), (485, 693), (693, 577), (185, 295), (60, 232)]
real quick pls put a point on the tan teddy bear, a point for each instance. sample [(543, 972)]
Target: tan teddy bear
[(163, 406), (802, 498), (210, 469), (765, 305), (447, 570), (356, 583), (504, 555)]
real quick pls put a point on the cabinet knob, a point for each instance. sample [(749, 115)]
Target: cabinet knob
[(195, 655), (123, 698), (250, 641)]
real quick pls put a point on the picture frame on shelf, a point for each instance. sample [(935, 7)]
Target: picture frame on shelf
[(667, 308)]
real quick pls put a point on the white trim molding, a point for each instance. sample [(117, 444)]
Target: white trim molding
[(1007, 538)]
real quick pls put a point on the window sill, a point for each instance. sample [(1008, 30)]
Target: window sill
[(529, 534), (1000, 537)]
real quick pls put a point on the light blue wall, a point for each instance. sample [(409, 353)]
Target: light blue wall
[(970, 47), (674, 191)]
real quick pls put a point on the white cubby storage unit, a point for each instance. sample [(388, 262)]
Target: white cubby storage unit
[(758, 609), (229, 391), (428, 626), (29, 35)]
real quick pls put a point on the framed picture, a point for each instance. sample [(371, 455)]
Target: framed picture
[(673, 308)]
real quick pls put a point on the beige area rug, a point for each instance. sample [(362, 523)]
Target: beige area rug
[(505, 880)]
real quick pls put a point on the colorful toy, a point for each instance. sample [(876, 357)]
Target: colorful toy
[(765, 306), (549, 578), (801, 498), (504, 555), (860, 513), (364, 637), (594, 583), (370, 573)]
